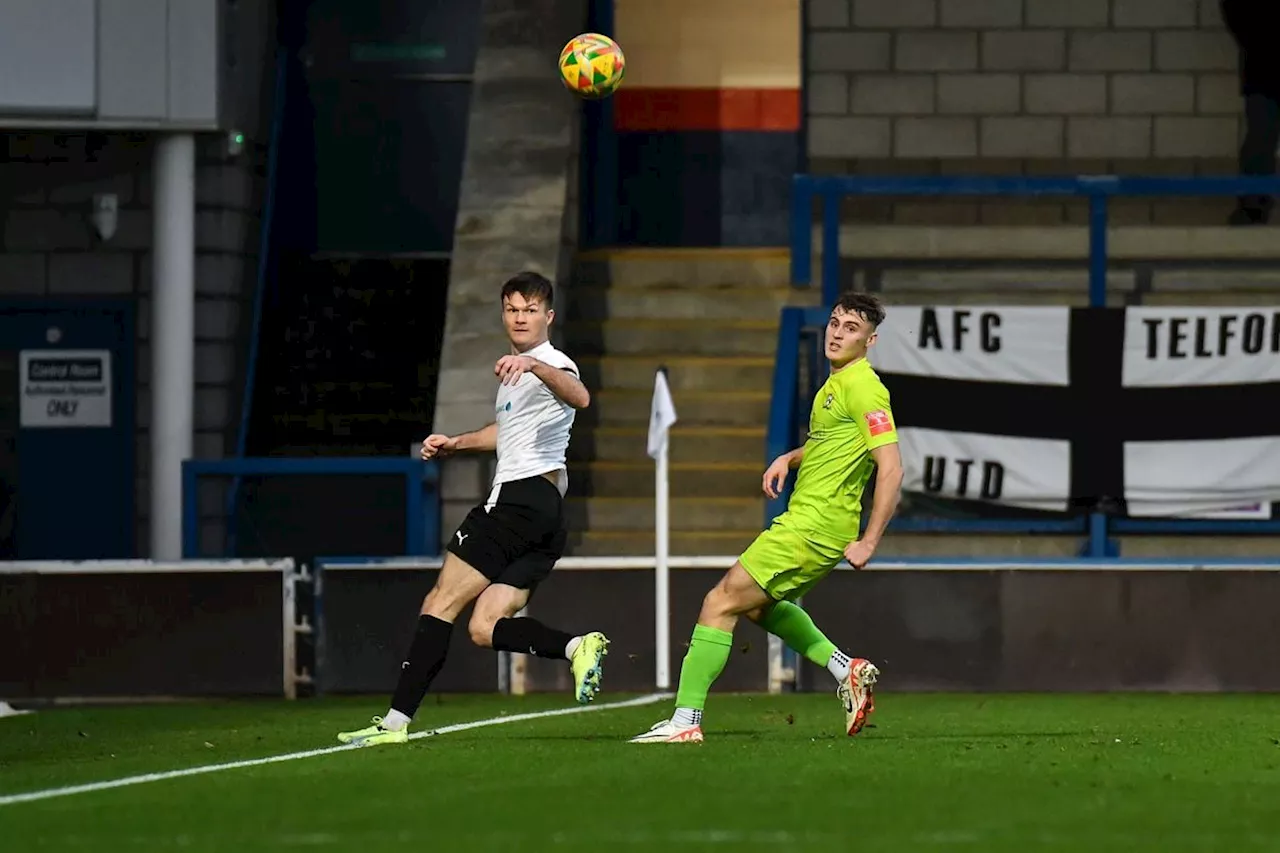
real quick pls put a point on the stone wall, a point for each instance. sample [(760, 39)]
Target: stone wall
[(1027, 87), (511, 213)]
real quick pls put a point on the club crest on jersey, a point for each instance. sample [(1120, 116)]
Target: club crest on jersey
[(826, 404), (506, 407)]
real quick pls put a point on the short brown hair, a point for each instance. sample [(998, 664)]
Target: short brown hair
[(532, 286), (864, 305)]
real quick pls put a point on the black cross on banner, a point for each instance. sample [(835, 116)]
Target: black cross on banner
[(1166, 409)]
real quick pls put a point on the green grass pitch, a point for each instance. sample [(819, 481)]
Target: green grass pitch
[(937, 772)]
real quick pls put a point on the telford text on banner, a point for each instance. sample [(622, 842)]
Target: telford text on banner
[(1171, 347)]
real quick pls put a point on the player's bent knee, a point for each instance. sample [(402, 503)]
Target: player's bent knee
[(716, 604), (481, 631), (734, 596)]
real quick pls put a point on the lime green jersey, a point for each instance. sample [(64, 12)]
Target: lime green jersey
[(851, 417)]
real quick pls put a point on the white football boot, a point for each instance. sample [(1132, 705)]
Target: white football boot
[(855, 693), (669, 732)]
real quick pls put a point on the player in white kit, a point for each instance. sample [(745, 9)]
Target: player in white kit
[(509, 544)]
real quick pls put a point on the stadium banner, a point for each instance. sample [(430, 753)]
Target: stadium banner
[(1159, 410), (1191, 477), (1172, 347), (1033, 473), (992, 344)]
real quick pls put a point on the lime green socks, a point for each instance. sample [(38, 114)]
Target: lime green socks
[(795, 627), (703, 663)]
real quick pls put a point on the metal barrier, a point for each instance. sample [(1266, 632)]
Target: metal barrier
[(180, 628), (790, 403), (421, 483), (1098, 189), (196, 628)]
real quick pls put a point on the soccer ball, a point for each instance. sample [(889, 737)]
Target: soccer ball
[(592, 65)]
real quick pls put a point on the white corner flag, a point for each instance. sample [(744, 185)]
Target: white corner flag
[(662, 413)]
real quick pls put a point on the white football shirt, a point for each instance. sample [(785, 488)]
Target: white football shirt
[(533, 425)]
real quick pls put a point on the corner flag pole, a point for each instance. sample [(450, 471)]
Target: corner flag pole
[(662, 415)]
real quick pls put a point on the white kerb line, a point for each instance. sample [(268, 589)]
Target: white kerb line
[(70, 790)]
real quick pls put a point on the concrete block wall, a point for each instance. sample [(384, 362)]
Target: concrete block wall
[(48, 248), (1028, 87), (512, 216)]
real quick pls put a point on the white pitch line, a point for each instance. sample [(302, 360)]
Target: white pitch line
[(50, 793)]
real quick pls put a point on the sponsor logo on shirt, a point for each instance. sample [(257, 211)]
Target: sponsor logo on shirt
[(830, 399), (878, 422)]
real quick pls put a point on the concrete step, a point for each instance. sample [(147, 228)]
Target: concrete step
[(587, 304), (996, 286), (1000, 280), (605, 514), (1057, 242), (630, 407), (697, 267), (1225, 287), (687, 444), (982, 296), (1226, 299), (673, 336), (1265, 281), (639, 543), (687, 480), (684, 373)]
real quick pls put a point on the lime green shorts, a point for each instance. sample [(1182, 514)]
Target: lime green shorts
[(786, 562)]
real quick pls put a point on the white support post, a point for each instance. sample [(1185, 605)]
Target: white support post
[(662, 571), (289, 624), (519, 666), (172, 336)]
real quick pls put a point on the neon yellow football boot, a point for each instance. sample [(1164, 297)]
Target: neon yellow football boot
[(374, 735), (586, 666)]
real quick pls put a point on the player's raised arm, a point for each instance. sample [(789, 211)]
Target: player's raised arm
[(560, 379), (482, 440), (564, 383)]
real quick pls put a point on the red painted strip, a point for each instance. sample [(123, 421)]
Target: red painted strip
[(706, 109)]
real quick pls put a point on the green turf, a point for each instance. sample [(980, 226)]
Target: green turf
[(947, 772)]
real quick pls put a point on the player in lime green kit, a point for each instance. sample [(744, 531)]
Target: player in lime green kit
[(851, 435)]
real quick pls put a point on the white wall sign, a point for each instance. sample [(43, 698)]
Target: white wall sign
[(64, 388)]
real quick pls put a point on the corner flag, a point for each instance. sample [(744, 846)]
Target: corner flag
[(662, 413)]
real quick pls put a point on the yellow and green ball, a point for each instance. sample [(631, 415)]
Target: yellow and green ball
[(592, 65)]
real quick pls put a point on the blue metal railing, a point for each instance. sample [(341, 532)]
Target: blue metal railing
[(421, 482), (1099, 189)]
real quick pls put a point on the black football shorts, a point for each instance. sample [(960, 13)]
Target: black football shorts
[(518, 538)]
